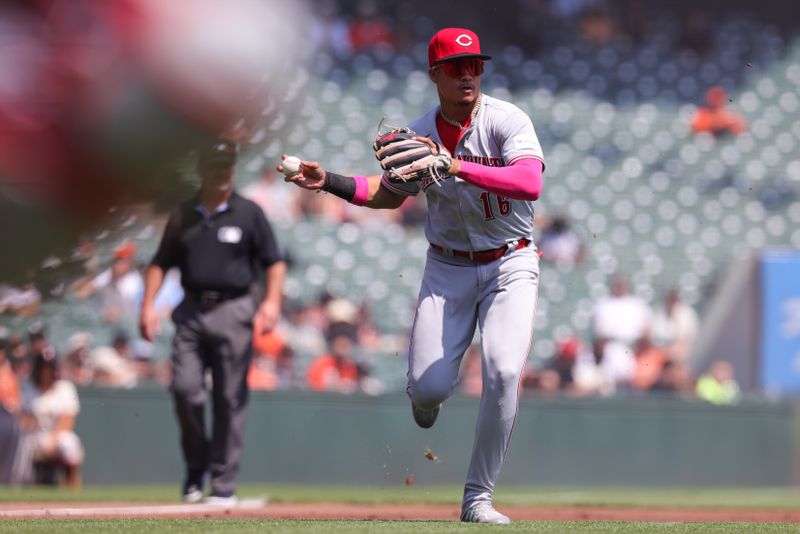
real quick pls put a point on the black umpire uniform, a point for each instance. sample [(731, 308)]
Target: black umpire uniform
[(224, 248)]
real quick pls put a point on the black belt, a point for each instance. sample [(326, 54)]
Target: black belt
[(210, 298), (484, 256)]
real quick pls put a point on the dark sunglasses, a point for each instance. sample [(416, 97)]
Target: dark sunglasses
[(457, 67)]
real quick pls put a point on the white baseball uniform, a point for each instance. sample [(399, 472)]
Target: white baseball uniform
[(457, 293)]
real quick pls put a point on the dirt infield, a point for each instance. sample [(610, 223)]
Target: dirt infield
[(259, 510)]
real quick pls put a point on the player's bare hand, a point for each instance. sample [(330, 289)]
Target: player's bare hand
[(311, 175)]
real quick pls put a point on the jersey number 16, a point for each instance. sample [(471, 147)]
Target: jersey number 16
[(503, 205)]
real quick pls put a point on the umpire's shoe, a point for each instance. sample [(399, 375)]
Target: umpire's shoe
[(424, 418), (193, 487), (483, 512)]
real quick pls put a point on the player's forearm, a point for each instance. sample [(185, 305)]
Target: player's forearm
[(380, 197), (520, 181)]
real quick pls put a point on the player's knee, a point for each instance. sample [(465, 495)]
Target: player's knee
[(504, 379), (428, 393)]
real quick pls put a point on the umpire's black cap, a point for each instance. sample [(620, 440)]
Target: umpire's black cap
[(220, 152)]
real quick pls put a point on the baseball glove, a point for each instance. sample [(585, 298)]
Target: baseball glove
[(406, 159)]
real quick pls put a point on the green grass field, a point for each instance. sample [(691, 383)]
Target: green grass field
[(739, 498)]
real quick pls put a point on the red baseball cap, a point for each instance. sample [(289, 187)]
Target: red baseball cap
[(125, 251), (454, 43)]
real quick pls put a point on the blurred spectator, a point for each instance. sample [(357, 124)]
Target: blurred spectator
[(9, 406), (471, 381), (147, 369), (323, 207), (111, 369), (119, 288), (633, 19), (285, 369), (305, 325), (279, 200), (548, 382), (17, 354), (718, 385), (568, 9), (367, 383), (169, 295), (336, 370), (369, 31), (650, 360), (367, 335), (621, 317), (617, 363), (675, 378), (9, 385), (413, 212), (23, 356), (606, 369), (267, 345), (37, 338), (696, 26), (23, 301), (342, 318), (714, 118), (49, 408), (121, 343), (352, 213), (330, 31), (563, 361), (261, 375), (675, 327), (272, 372), (75, 365), (560, 244), (597, 26)]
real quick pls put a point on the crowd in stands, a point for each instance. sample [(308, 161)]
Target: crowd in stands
[(633, 350), (631, 347)]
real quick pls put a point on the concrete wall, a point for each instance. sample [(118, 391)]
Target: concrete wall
[(300, 437)]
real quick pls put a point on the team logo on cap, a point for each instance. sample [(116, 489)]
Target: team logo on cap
[(464, 39)]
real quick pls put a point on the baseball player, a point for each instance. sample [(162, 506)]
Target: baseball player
[(482, 268)]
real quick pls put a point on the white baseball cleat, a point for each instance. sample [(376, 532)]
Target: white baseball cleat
[(425, 418), (484, 512)]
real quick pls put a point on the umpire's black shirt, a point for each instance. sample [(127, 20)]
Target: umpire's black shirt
[(224, 251)]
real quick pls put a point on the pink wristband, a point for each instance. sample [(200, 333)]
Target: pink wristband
[(362, 191)]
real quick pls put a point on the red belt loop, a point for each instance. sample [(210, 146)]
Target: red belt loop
[(483, 256)]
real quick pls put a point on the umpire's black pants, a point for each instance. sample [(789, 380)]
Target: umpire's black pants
[(218, 338)]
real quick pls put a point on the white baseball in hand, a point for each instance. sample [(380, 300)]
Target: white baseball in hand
[(291, 165)]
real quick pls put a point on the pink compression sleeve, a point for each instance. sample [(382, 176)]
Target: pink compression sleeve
[(522, 180), (362, 191)]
